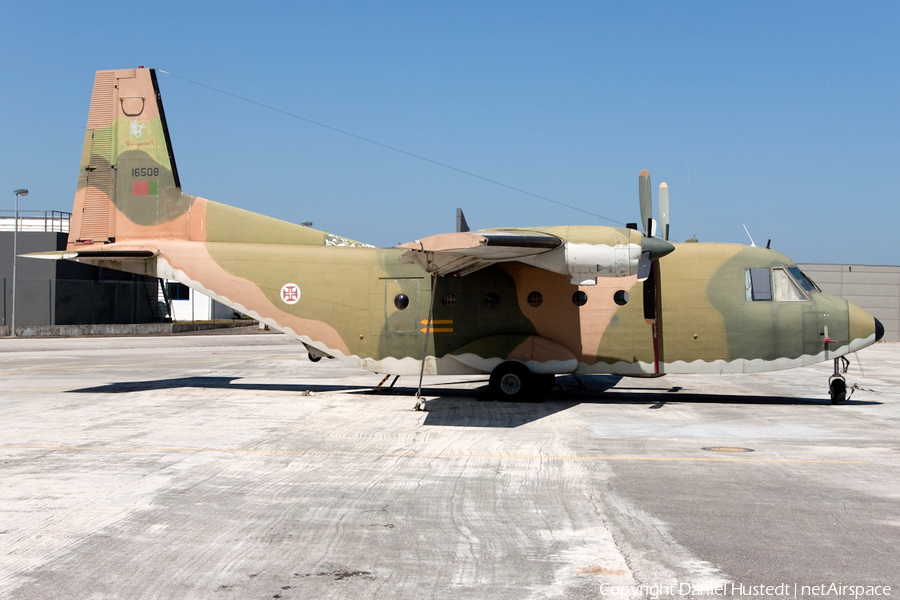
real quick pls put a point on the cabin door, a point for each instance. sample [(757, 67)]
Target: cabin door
[(402, 312)]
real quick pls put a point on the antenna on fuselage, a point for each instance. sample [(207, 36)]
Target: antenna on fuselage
[(752, 243), (691, 194), (461, 225)]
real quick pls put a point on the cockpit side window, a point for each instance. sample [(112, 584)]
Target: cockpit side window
[(805, 282), (775, 284), (759, 285), (783, 287)]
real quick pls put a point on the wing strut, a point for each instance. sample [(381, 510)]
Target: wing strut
[(420, 401)]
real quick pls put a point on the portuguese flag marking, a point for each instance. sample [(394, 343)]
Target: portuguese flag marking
[(145, 188)]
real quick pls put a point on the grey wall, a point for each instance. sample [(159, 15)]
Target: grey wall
[(34, 279), (875, 289), (51, 292), (30, 268)]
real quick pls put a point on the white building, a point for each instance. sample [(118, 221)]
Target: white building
[(186, 304)]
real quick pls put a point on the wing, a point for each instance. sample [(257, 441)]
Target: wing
[(463, 253)]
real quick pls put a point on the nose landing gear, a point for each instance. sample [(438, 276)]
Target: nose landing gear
[(837, 385)]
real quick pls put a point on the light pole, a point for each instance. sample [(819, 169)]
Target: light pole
[(23, 193)]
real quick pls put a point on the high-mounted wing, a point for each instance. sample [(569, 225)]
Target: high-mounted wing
[(461, 253), (464, 252)]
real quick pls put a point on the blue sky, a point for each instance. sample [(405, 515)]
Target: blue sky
[(788, 113)]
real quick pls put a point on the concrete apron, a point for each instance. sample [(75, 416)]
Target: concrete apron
[(113, 330)]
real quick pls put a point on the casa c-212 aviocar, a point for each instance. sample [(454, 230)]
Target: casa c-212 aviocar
[(520, 304)]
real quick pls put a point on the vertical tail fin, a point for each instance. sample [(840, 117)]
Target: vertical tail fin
[(128, 184)]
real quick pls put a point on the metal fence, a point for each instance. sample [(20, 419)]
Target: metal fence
[(35, 220), (80, 302)]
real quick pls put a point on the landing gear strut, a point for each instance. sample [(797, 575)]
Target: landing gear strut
[(837, 385)]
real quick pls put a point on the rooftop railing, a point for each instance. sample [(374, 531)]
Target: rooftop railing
[(36, 220)]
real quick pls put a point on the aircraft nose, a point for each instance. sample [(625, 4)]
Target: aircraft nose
[(864, 328)]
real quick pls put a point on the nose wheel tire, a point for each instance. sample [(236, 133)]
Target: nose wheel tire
[(838, 388), (512, 382)]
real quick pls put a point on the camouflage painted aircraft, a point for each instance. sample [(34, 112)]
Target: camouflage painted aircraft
[(520, 304)]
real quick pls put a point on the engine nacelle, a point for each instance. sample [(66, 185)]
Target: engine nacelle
[(584, 263)]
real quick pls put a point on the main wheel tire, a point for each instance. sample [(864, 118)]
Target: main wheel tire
[(838, 388), (313, 358), (512, 382)]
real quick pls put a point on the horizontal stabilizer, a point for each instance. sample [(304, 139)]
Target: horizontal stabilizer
[(104, 254)]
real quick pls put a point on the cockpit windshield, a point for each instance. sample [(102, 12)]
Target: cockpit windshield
[(805, 282)]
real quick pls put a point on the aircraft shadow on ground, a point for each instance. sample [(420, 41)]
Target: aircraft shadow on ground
[(463, 407), (205, 382)]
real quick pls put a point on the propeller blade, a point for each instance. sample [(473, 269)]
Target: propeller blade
[(664, 209), (646, 198), (644, 266), (650, 291)]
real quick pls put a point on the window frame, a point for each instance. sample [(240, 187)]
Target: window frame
[(750, 289), (803, 277), (798, 289), (181, 291), (753, 277)]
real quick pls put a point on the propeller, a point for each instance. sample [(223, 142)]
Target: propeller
[(652, 249)]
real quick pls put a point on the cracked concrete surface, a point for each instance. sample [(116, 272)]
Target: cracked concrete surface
[(229, 466)]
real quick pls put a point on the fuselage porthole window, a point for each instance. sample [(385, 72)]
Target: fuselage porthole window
[(401, 301), (492, 300)]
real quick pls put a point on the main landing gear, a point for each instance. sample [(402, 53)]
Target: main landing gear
[(514, 382), (837, 385), (314, 354)]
